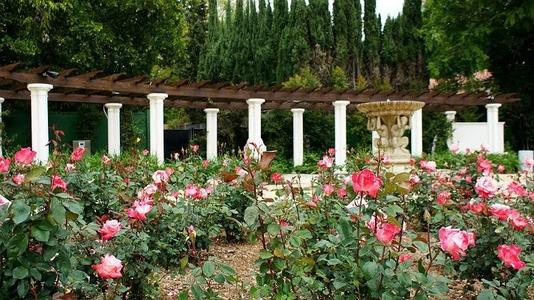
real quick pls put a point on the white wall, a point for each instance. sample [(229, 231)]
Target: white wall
[(474, 134)]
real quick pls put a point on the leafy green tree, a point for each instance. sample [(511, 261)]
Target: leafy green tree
[(463, 37), (114, 36), (196, 18), (371, 42)]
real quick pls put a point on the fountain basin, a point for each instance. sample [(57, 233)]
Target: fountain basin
[(390, 119)]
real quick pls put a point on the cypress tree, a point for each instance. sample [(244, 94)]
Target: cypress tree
[(354, 36), (208, 61), (263, 56), (388, 53), (340, 28), (320, 23), (294, 50), (372, 39), (196, 14), (413, 43)]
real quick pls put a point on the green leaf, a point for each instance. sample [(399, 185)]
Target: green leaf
[(219, 278), (226, 269), (22, 288), (422, 246), (303, 234), (35, 274), (20, 272), (40, 235), (333, 262), (73, 206), (370, 269), (21, 211), (486, 295), (197, 292), (273, 229), (34, 173), (264, 254), (57, 211), (208, 268), (251, 215), (393, 210), (17, 245), (184, 295)]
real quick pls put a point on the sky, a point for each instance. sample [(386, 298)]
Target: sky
[(388, 8)]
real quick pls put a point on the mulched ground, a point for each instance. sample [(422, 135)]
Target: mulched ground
[(242, 256)]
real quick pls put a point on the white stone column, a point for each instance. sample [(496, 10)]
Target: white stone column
[(254, 122), (211, 133), (416, 129), (493, 126), (374, 135), (39, 115), (1, 132), (156, 124), (114, 128), (298, 136), (340, 120), (451, 116)]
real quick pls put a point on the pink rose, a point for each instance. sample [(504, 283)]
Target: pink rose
[(25, 156), (443, 197), (57, 182), (385, 232), (205, 163), (69, 168), (517, 189), (276, 178), (326, 163), (501, 169), (342, 193), (109, 267), (500, 211), (455, 241), (485, 187), (146, 152), (160, 176), (484, 166), (331, 151), (518, 222), (195, 148), (109, 229), (139, 210), (475, 207), (414, 179), (77, 154), (328, 189), (428, 166), (19, 179), (367, 182), (509, 255), (454, 148), (4, 164), (4, 201), (191, 191), (529, 162), (404, 257), (106, 160)]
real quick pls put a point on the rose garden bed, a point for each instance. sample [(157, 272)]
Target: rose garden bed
[(104, 228)]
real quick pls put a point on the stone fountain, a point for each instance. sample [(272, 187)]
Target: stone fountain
[(390, 119)]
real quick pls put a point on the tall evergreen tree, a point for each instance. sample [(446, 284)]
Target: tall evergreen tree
[(340, 28), (412, 41), (320, 22), (354, 36), (196, 14), (263, 56), (372, 40), (208, 53), (294, 49)]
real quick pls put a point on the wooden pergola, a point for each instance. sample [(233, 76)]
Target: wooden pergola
[(70, 85)]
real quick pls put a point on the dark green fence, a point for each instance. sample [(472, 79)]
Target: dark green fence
[(17, 127)]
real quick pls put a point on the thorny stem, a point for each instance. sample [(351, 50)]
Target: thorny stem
[(431, 258), (382, 274), (403, 217), (358, 230)]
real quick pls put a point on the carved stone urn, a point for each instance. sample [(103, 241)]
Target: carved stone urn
[(390, 119)]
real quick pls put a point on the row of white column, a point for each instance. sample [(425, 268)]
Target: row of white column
[(40, 138)]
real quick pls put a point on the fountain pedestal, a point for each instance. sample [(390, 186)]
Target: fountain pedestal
[(390, 119)]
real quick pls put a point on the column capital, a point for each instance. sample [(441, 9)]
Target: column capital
[(40, 87), (493, 105), (211, 110), (341, 103), (450, 115), (297, 110), (157, 96), (255, 101), (2, 100), (113, 105)]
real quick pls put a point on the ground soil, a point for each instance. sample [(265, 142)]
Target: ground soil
[(242, 257)]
